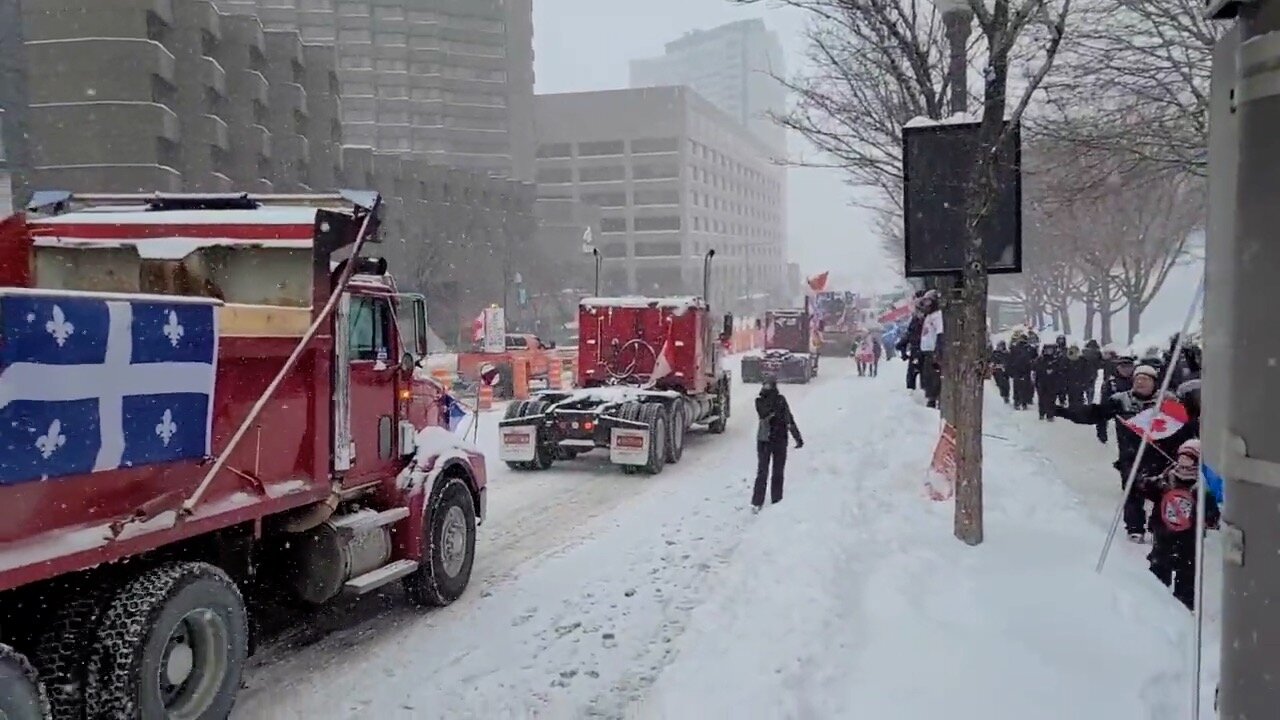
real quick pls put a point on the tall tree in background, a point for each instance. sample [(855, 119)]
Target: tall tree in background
[(1134, 82)]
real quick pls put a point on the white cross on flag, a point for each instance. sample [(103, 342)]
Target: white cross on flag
[(1160, 422)]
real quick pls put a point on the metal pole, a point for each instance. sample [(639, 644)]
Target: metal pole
[(1197, 606), (1250, 463), (1142, 445)]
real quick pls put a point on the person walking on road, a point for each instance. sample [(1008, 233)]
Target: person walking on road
[(771, 442)]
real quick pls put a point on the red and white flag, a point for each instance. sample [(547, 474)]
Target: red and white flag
[(901, 311), (477, 328), (1159, 423), (665, 363), (818, 283)]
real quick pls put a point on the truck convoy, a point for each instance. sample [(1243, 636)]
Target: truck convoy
[(201, 398), (649, 369), (790, 349), (837, 316)]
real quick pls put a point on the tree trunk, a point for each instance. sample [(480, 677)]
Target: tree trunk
[(1090, 309), (968, 401), (1135, 319), (1064, 312), (1105, 312)]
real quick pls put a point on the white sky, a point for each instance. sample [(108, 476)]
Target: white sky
[(584, 45)]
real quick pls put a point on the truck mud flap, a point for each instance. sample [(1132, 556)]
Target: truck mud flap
[(517, 443)]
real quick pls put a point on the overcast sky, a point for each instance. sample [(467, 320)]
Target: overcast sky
[(586, 45)]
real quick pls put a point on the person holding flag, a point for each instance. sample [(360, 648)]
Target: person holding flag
[(1165, 422), (1173, 526)]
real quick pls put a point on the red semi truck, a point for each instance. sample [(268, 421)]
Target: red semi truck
[(649, 369), (200, 400)]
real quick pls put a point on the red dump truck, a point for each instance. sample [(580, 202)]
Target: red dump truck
[(790, 349), (649, 369), (200, 399)]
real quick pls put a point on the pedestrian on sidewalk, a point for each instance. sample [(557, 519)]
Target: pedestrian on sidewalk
[(1173, 549), (771, 442)]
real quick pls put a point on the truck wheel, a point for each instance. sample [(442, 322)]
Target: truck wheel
[(717, 426), (172, 643), (656, 417), (22, 695), (63, 650), (675, 433), (450, 547), (544, 455)]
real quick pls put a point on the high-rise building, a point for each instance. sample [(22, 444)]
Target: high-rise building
[(674, 177), (450, 81), (735, 66), (6, 184)]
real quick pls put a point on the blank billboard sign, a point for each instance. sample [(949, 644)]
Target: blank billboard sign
[(938, 169)]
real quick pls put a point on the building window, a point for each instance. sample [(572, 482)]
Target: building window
[(355, 62), (602, 174), (354, 36), (388, 12), (655, 145), (597, 149), (657, 197), (386, 39), (613, 225), (613, 250), (392, 91), (555, 175), (391, 66), (655, 224), (656, 171), (555, 150), (609, 200), (659, 249)]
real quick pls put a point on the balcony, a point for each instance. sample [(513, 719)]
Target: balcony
[(292, 96), (213, 131), (256, 86), (212, 74)]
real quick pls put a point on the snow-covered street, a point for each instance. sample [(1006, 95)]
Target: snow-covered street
[(602, 595)]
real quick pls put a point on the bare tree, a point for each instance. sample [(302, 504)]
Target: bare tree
[(1134, 82), (1153, 214)]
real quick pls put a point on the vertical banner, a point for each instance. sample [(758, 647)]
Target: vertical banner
[(495, 330), (940, 479)]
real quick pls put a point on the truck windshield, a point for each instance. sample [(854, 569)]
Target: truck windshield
[(370, 329)]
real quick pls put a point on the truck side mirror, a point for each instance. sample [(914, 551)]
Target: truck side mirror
[(759, 324), (407, 363), (420, 325), (727, 332)]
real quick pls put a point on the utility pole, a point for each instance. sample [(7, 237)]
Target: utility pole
[(1242, 435)]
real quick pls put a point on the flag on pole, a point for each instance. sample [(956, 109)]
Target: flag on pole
[(818, 283), (665, 363), (457, 416), (477, 328), (1159, 423)]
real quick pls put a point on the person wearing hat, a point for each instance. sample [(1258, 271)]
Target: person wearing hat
[(1022, 358), (1000, 369), (1120, 380), (1122, 406), (776, 422), (1173, 536)]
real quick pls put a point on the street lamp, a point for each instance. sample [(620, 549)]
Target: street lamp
[(957, 17)]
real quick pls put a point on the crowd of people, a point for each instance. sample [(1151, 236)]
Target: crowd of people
[(1115, 393)]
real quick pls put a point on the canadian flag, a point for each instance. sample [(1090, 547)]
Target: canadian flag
[(477, 328), (665, 363), (1159, 423), (818, 283), (900, 311)]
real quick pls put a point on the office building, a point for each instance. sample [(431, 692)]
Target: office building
[(735, 66), (673, 177), (6, 183), (450, 81)]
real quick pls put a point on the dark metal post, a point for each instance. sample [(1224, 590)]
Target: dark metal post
[(1242, 378)]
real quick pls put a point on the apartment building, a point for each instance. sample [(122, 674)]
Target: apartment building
[(673, 177), (6, 183), (450, 81), (735, 66), (167, 95)]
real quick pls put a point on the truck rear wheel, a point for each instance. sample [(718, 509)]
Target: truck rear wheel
[(655, 416), (717, 426), (172, 643), (545, 454), (449, 547), (63, 649), (22, 695), (675, 434)]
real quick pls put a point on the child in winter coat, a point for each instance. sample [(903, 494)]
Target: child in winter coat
[(1173, 524)]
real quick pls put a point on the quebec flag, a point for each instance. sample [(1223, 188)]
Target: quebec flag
[(457, 416), (100, 381)]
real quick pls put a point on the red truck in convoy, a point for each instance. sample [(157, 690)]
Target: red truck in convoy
[(202, 397), (649, 369), (790, 348)]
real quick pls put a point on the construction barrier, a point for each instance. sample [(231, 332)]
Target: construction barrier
[(485, 397), (520, 378)]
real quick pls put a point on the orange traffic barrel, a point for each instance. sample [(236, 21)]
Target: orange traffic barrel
[(485, 401), (520, 378)]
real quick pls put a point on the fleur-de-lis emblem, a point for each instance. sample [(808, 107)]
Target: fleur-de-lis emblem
[(167, 427), (51, 440), (173, 329), (59, 327)]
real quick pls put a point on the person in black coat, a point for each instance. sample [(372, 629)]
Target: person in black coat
[(1119, 381), (909, 347), (1080, 377), (999, 369), (1092, 354), (1123, 406), (1051, 376), (776, 422), (1022, 357), (1173, 526)]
